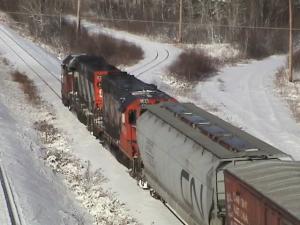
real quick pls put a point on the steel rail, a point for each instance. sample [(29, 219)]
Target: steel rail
[(155, 65), (12, 208), (34, 58), (31, 68), (146, 64)]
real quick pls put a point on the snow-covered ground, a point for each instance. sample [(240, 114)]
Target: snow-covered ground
[(38, 192), (246, 95)]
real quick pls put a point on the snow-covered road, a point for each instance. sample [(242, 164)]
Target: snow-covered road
[(246, 95), (141, 206)]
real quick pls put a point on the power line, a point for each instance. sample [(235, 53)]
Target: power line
[(174, 23)]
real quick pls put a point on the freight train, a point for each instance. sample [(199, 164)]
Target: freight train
[(176, 149)]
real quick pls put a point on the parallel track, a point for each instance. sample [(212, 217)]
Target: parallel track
[(11, 38), (156, 64), (27, 64), (12, 208), (146, 64)]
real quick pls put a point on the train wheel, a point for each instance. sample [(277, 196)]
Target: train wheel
[(154, 194), (143, 184)]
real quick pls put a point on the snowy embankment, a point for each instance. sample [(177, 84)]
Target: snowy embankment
[(97, 180), (38, 192), (243, 94)]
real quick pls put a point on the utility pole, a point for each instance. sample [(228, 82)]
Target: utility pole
[(291, 41), (78, 18), (180, 23)]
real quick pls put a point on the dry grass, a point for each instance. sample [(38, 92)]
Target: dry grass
[(28, 87), (289, 91), (5, 61), (48, 131), (194, 66)]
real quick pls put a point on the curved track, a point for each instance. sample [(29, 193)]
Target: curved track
[(145, 64), (155, 64)]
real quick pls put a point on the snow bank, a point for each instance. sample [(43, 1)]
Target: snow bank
[(39, 193)]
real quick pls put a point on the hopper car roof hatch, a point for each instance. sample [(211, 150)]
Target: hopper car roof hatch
[(215, 135)]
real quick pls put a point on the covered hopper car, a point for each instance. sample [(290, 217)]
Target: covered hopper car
[(185, 149), (265, 193)]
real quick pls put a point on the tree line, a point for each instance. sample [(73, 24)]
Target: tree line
[(249, 24)]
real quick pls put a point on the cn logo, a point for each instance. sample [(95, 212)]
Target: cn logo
[(190, 193)]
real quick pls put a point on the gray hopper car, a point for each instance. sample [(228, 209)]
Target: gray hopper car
[(184, 151)]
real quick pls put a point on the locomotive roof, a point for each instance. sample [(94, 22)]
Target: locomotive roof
[(279, 181), (215, 135), (90, 62), (128, 88)]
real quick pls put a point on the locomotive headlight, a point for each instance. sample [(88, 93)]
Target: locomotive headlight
[(144, 101)]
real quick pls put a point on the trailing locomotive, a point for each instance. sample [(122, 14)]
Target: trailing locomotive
[(81, 90), (185, 157)]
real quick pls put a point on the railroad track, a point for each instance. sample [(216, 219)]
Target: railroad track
[(155, 64), (12, 208), (9, 39), (25, 50), (35, 66), (146, 64)]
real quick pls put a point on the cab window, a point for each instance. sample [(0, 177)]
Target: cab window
[(132, 117)]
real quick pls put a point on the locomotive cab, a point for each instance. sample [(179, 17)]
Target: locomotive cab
[(125, 98)]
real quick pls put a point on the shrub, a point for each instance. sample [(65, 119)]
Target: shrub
[(115, 51), (194, 66), (28, 87), (259, 44)]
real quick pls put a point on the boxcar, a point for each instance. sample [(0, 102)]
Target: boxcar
[(263, 194), (184, 150)]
